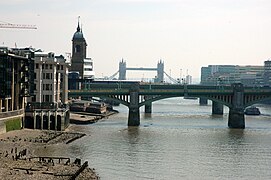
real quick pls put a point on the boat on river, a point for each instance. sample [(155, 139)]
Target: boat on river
[(252, 110)]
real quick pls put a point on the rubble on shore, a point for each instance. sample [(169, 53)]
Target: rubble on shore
[(19, 161)]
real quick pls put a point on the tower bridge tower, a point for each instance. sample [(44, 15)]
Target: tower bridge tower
[(122, 70), (160, 71)]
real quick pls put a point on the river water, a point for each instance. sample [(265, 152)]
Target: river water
[(180, 140)]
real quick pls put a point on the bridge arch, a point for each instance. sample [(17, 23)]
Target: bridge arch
[(116, 99), (257, 100)]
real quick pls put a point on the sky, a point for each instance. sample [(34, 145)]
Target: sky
[(185, 34)]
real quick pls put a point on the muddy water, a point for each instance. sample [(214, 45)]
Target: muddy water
[(180, 140)]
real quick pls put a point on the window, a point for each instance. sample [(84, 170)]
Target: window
[(46, 66), (61, 67), (47, 98), (48, 75), (77, 48), (34, 98), (47, 87), (37, 66), (51, 66)]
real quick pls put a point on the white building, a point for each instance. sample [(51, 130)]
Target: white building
[(88, 72), (47, 109), (188, 79), (51, 78)]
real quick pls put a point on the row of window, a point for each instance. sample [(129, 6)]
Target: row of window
[(49, 76), (88, 69), (45, 98), (49, 66), (48, 87)]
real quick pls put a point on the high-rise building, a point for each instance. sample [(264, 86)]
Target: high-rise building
[(188, 79)]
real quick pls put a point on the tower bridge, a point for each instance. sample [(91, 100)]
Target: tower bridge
[(136, 94), (158, 78)]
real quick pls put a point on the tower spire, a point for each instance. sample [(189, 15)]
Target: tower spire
[(78, 27)]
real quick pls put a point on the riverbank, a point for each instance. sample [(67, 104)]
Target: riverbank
[(88, 118), (19, 159)]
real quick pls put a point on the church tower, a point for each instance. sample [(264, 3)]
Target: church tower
[(79, 48)]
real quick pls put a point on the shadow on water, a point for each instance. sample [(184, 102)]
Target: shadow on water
[(236, 140), (147, 115), (133, 134), (236, 134)]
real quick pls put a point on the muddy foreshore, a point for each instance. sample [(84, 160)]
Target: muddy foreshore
[(19, 161)]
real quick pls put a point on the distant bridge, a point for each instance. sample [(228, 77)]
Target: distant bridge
[(158, 78), (136, 94)]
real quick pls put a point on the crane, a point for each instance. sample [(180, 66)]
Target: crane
[(19, 26)]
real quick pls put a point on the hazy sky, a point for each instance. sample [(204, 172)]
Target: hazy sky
[(185, 34)]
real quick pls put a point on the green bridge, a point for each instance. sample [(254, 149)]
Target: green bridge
[(136, 94)]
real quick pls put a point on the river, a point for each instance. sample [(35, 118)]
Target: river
[(180, 140)]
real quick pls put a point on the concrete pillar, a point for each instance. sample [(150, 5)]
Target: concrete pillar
[(203, 101), (56, 120), (41, 121), (134, 116), (148, 108), (6, 106), (12, 86), (236, 117), (217, 108), (49, 119), (35, 120)]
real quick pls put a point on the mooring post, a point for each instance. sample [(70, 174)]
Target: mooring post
[(134, 116), (236, 117), (217, 108)]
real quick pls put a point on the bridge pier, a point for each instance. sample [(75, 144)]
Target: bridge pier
[(134, 117), (217, 108), (203, 101), (236, 113), (148, 105), (148, 108), (236, 118), (134, 113)]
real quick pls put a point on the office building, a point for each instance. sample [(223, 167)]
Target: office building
[(47, 108), (16, 79)]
